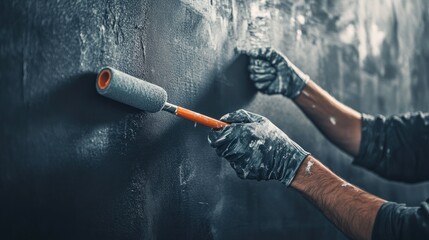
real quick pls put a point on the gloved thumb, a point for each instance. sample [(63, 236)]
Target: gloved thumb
[(267, 53), (241, 116)]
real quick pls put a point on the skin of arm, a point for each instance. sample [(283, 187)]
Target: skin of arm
[(351, 209), (257, 149), (338, 122)]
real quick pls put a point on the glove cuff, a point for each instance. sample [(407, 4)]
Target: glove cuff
[(298, 80), (296, 158)]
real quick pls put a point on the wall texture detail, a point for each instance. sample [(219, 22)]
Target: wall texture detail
[(75, 165)]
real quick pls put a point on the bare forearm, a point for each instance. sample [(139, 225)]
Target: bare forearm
[(339, 123), (351, 209)]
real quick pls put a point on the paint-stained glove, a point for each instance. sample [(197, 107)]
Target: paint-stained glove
[(256, 148), (273, 73)]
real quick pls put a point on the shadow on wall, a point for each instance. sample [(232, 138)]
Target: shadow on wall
[(231, 90), (77, 101), (238, 90)]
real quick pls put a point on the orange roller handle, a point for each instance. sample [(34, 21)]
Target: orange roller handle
[(199, 118)]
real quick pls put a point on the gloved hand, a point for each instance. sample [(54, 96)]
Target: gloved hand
[(256, 148), (273, 73)]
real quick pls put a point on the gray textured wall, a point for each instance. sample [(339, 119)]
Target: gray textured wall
[(75, 165)]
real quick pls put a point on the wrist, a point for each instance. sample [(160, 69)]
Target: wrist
[(296, 85), (300, 180), (348, 207), (295, 162)]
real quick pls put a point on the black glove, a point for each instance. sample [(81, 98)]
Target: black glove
[(256, 148), (273, 73)]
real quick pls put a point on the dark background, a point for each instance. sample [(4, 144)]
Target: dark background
[(75, 165)]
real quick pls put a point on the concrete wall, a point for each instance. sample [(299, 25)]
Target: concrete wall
[(75, 165)]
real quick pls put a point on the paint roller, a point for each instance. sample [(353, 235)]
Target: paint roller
[(146, 96)]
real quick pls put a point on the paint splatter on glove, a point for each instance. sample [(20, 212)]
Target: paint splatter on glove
[(256, 148), (273, 73)]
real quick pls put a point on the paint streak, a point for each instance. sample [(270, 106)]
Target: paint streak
[(306, 93), (186, 174), (308, 167), (333, 120)]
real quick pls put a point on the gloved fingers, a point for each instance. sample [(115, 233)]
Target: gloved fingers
[(262, 77), (263, 167), (261, 70), (262, 85), (241, 116), (241, 171), (253, 168), (221, 136), (233, 156), (235, 167), (269, 54), (233, 149), (227, 149), (266, 53), (237, 148), (259, 62), (256, 52), (276, 86), (272, 175), (253, 175), (244, 168)]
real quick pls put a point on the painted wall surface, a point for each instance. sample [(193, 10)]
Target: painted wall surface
[(75, 165)]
